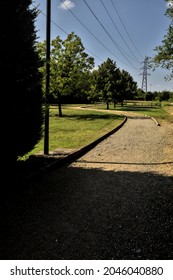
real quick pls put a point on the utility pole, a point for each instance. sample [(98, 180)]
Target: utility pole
[(46, 128), (145, 74)]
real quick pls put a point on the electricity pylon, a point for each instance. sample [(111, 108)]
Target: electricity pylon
[(145, 74)]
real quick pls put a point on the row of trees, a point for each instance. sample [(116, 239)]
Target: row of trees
[(154, 95), (72, 77), (72, 74), (159, 96)]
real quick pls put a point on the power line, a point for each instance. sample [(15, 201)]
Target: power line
[(125, 28), (90, 32), (118, 47), (119, 31), (51, 20), (68, 34)]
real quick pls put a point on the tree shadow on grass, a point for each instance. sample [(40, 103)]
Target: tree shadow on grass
[(137, 108), (90, 117), (76, 213)]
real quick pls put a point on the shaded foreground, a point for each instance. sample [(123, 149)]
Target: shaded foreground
[(121, 215), (114, 202)]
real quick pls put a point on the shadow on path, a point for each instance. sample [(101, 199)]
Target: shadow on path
[(74, 213), (125, 163)]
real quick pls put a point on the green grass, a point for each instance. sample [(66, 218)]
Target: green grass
[(76, 128), (163, 113)]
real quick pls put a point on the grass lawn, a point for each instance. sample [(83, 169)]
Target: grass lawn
[(76, 128), (163, 113)]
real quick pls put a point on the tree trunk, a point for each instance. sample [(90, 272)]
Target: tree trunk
[(59, 105), (107, 103)]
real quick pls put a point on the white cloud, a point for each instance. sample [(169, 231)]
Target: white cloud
[(170, 4), (67, 4)]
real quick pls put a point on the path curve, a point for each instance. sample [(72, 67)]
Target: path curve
[(116, 202), (140, 145)]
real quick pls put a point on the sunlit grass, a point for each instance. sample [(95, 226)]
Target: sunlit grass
[(161, 113), (76, 128)]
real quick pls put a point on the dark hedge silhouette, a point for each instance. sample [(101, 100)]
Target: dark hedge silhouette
[(19, 63)]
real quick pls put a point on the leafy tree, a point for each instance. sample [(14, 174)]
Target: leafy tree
[(93, 95), (114, 84), (76, 65), (125, 87), (21, 80), (41, 49), (106, 81), (128, 87), (140, 94), (164, 56), (70, 68), (164, 95), (149, 96)]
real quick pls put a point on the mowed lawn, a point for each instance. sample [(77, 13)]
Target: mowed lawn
[(77, 127), (161, 114)]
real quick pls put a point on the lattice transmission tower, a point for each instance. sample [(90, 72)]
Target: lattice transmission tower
[(145, 74)]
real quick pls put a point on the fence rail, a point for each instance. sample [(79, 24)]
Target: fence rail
[(143, 104)]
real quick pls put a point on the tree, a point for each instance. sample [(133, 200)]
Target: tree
[(19, 74), (164, 56), (140, 94), (70, 68), (93, 95), (75, 66), (127, 87), (164, 95), (114, 84), (107, 79)]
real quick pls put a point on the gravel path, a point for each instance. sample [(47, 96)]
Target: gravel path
[(140, 145), (116, 202)]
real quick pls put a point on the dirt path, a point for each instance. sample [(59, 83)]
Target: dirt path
[(116, 202), (140, 145)]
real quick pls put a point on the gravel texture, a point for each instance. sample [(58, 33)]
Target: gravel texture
[(140, 145), (115, 202)]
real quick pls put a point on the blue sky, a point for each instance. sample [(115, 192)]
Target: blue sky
[(124, 30)]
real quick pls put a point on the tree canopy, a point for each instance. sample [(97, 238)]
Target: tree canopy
[(106, 81), (164, 56), (114, 84), (70, 67)]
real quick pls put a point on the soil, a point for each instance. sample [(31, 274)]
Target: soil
[(115, 202)]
